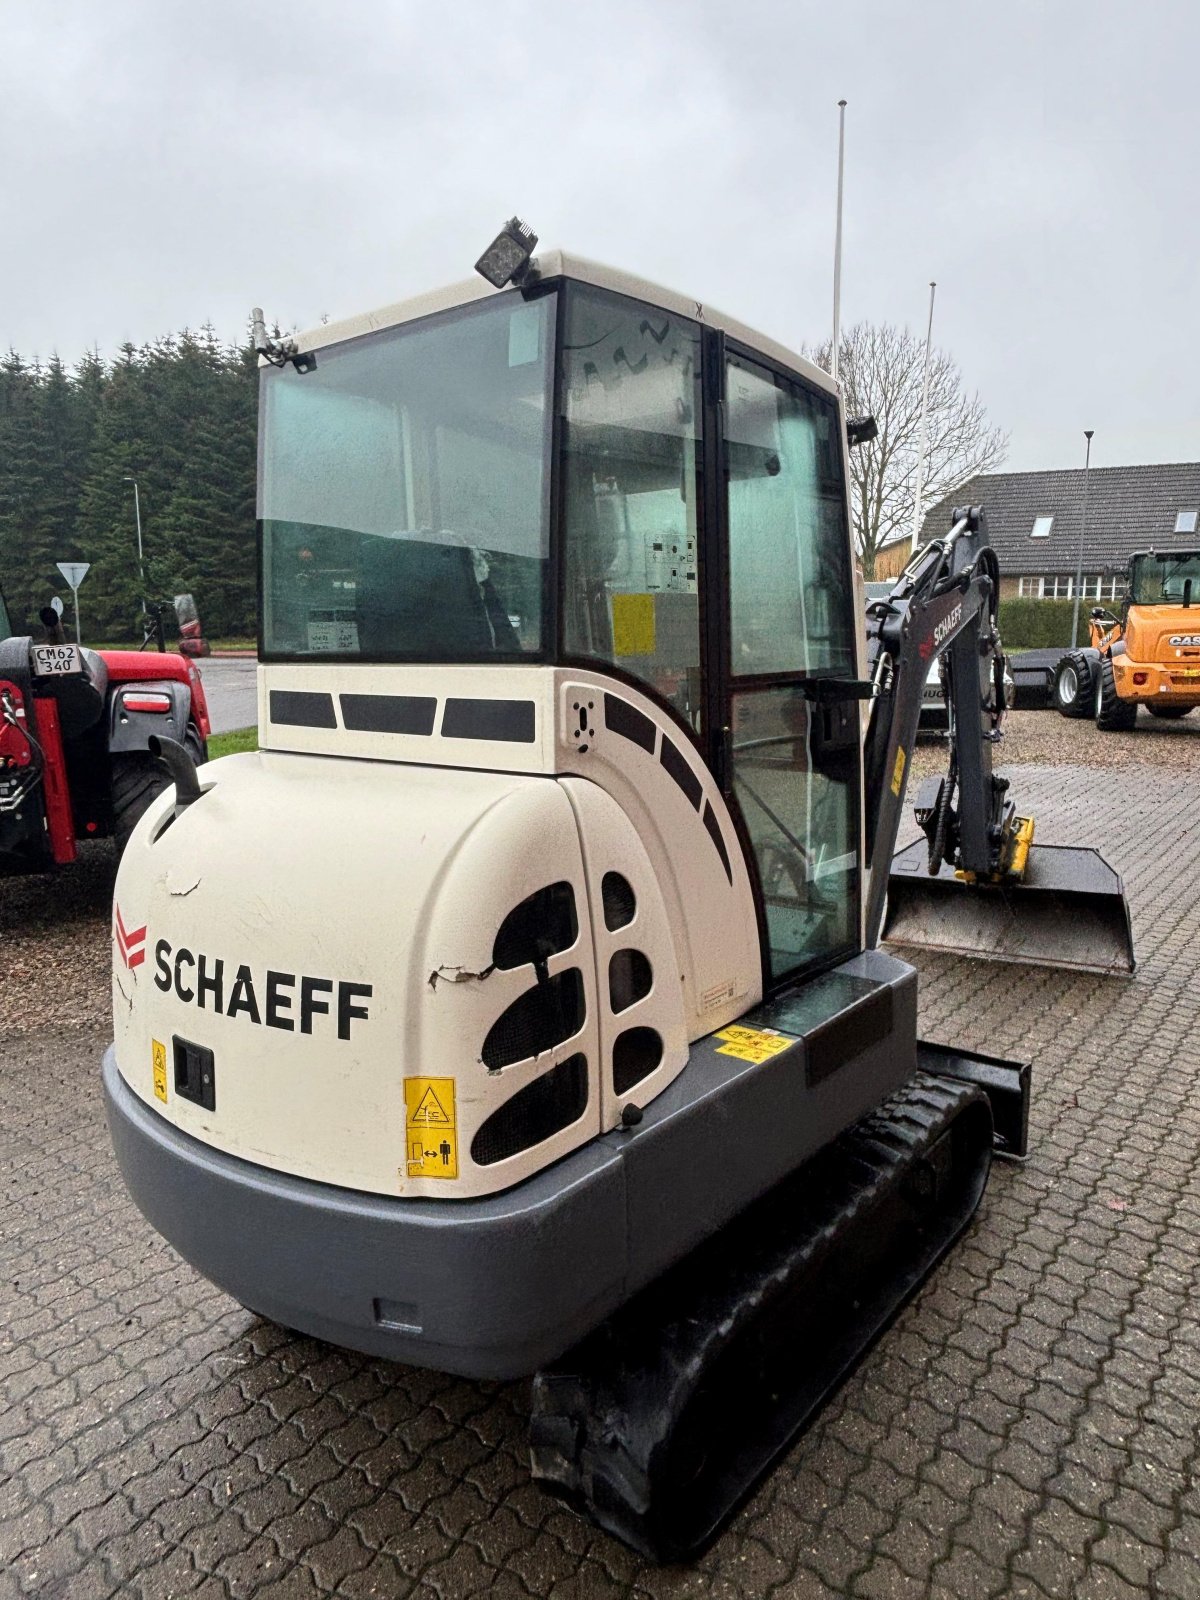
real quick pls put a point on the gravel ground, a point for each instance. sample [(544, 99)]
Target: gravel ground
[(1047, 739), (54, 932)]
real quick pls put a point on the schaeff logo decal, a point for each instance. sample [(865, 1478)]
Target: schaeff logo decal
[(131, 942), (285, 1000), (947, 624)]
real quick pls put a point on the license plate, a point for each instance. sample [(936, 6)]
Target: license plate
[(1188, 672), (50, 660)]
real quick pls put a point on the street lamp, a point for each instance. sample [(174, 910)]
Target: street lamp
[(137, 511), (1087, 461)]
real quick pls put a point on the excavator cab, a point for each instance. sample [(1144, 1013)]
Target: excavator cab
[(540, 479)]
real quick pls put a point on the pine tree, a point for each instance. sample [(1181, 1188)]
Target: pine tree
[(179, 416)]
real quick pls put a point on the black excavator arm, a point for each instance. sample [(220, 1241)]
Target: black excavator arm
[(976, 885), (943, 608)]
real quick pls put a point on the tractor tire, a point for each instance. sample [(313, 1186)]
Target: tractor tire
[(1074, 686), (137, 779), (1170, 713), (1113, 715)]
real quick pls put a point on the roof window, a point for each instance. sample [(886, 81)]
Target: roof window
[(1041, 527), (1185, 522)]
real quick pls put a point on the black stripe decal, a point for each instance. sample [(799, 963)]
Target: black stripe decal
[(302, 708), (678, 769), (629, 722), (509, 721), (389, 713), (844, 1037), (714, 833)]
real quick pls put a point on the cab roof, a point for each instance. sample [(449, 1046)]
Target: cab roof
[(552, 264)]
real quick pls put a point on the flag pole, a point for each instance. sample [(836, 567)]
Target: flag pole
[(916, 536), (837, 245)]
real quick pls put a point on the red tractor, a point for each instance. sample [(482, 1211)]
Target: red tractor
[(76, 726)]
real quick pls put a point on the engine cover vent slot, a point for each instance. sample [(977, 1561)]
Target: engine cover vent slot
[(620, 902), (637, 1052), (539, 1019), (544, 924), (630, 978), (543, 1108)]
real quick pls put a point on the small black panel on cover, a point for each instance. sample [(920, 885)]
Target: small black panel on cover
[(714, 833), (620, 717), (302, 708), (195, 1073), (620, 902), (637, 1052), (543, 1108), (553, 1010), (507, 721), (674, 762), (389, 713), (542, 925), (630, 978)]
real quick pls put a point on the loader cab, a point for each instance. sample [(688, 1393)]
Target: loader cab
[(1166, 578), (591, 473)]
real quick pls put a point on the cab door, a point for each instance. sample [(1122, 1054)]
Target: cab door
[(786, 731)]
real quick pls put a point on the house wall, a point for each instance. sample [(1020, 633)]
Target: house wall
[(891, 561)]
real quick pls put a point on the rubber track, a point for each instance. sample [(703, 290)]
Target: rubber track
[(660, 1423)]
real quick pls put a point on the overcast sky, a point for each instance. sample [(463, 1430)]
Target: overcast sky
[(168, 163)]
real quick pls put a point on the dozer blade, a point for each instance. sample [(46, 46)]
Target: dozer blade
[(661, 1422), (1069, 910)]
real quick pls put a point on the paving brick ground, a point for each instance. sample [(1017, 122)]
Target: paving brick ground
[(1027, 1427)]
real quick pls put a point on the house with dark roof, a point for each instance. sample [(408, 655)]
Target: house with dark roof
[(1035, 523)]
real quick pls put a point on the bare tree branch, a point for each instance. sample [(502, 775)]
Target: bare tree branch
[(882, 370)]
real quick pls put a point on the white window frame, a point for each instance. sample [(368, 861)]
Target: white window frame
[(1038, 531), (1185, 521)]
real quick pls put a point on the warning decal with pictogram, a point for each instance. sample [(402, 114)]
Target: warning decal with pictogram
[(430, 1132)]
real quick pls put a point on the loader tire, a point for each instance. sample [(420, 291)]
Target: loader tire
[(1113, 714), (1074, 690), (1170, 713)]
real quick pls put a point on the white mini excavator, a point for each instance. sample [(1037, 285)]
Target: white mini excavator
[(517, 1008)]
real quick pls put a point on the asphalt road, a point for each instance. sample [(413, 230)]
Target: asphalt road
[(230, 687)]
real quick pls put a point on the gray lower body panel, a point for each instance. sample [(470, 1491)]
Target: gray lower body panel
[(498, 1287)]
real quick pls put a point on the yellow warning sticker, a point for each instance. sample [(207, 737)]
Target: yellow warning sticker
[(752, 1044), (898, 772), (158, 1057), (633, 624), (431, 1138)]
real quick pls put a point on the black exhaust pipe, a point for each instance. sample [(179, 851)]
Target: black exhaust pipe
[(178, 762)]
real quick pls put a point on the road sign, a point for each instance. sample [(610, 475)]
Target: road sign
[(74, 571)]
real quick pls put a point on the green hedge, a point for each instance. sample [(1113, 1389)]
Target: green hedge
[(1041, 624)]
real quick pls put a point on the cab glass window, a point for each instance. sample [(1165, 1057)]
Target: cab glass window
[(630, 387), (791, 590), (1166, 580), (404, 490)]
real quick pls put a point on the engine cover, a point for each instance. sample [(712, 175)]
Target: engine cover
[(394, 978)]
